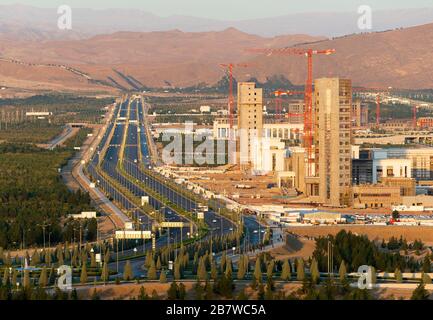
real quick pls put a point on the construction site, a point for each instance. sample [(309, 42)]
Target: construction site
[(320, 148)]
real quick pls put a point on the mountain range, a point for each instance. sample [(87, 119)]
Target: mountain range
[(132, 60), (32, 23)]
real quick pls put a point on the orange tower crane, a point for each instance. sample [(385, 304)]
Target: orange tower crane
[(278, 103), (230, 67), (377, 110), (379, 92), (414, 110), (308, 118)]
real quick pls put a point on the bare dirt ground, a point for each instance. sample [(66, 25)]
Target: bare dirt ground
[(259, 194), (285, 252), (410, 233)]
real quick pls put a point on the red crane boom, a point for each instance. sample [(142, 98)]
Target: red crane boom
[(229, 67), (278, 102)]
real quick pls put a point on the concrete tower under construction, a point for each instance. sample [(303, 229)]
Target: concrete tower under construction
[(332, 104)]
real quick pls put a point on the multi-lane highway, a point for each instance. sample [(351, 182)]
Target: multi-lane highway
[(128, 149)]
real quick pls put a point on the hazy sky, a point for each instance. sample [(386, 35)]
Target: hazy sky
[(230, 9)]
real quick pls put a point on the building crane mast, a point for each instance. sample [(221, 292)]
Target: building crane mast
[(308, 98), (278, 103), (414, 110), (378, 110), (378, 92), (229, 67)]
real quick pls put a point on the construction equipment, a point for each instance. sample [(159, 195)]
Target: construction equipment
[(278, 103), (230, 67), (414, 111), (308, 118), (379, 92)]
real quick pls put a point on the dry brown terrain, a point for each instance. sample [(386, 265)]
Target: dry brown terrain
[(398, 58), (225, 183), (152, 59), (305, 252), (411, 233)]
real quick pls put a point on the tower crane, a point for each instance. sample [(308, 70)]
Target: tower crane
[(379, 92), (308, 118), (278, 103), (229, 68)]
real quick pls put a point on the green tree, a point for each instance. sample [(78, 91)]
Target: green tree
[(128, 274), (148, 259), (241, 270), (229, 268), (199, 291), (151, 272), (35, 258), (261, 292), (398, 276), (182, 292), (208, 289), (43, 278), (201, 271), (270, 269), (420, 293), (269, 294), (286, 273), (163, 277), (83, 275), (155, 295), (314, 270), (142, 295), (92, 260), (258, 270), (373, 275), (425, 278), (342, 271), (6, 276), (223, 261), (74, 294), (158, 263), (14, 277), (105, 273), (300, 270), (172, 292), (242, 295), (26, 280), (426, 265), (213, 271), (95, 295)]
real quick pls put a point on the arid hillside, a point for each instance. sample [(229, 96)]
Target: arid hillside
[(149, 59), (133, 60), (399, 58)]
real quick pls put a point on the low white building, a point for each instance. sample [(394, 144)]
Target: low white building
[(204, 109), (282, 131), (84, 215), (397, 168)]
